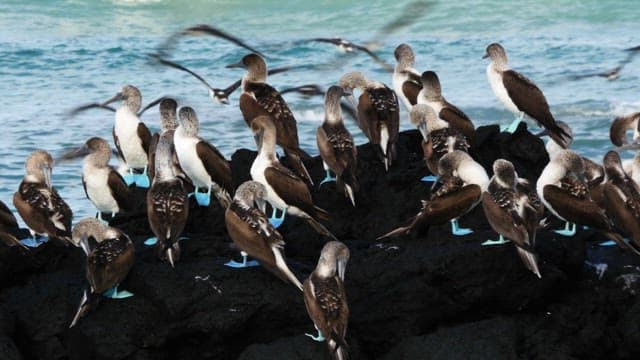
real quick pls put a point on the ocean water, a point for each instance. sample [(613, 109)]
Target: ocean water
[(58, 55)]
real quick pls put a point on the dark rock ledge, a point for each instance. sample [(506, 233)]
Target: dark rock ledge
[(432, 296)]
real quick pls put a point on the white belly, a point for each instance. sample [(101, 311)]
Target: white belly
[(398, 80), (495, 80), (257, 174), (435, 105), (126, 129), (96, 182), (189, 160)]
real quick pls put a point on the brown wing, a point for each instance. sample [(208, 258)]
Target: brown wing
[(271, 101), (109, 263), (453, 204), (500, 210), (622, 204), (168, 208), (216, 165), (38, 206), (119, 190), (412, 87), (575, 209), (290, 188), (336, 147), (151, 170), (368, 119), (327, 151), (327, 306), (458, 120), (145, 136), (116, 141), (529, 99), (250, 108), (251, 232)]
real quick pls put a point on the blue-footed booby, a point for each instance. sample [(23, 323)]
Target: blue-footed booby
[(130, 135), (458, 190), (108, 262), (326, 300), (259, 98), (337, 149), (39, 204), (519, 95), (252, 233), (285, 190), (619, 128), (621, 200), (431, 94), (438, 137), (406, 79), (202, 162), (510, 214), (167, 204), (378, 113), (564, 192)]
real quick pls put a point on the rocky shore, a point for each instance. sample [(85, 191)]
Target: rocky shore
[(429, 296)]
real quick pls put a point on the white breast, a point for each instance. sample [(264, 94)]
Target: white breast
[(191, 164), (495, 80), (551, 175), (126, 129), (98, 191), (473, 173), (435, 105), (257, 174)]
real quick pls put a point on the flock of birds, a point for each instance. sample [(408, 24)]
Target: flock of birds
[(176, 164)]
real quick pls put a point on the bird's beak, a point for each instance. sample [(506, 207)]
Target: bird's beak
[(261, 205), (342, 267), (347, 93), (422, 127), (84, 244), (170, 257), (74, 153), (259, 137), (629, 146), (117, 97), (236, 65), (46, 170), (486, 55), (542, 133)]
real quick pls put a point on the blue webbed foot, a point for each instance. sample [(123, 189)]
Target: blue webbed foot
[(327, 178), (129, 179), (203, 199), (151, 241), (429, 179), (501, 240), (569, 230), (276, 221), (318, 337), (607, 243), (34, 242), (243, 264), (458, 231), (113, 293)]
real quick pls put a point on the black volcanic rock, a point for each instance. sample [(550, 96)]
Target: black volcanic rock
[(426, 296)]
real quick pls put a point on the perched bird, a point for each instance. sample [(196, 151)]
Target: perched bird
[(632, 168), (168, 124), (9, 227), (620, 126), (108, 262), (285, 190), (202, 162), (594, 172), (438, 137), (259, 98), (406, 80), (519, 95), (39, 204), (378, 113), (252, 233), (431, 94), (167, 204), (458, 190), (338, 152), (130, 135), (621, 199), (326, 300), (510, 214), (563, 191), (103, 185)]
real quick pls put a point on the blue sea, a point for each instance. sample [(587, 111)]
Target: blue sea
[(58, 55)]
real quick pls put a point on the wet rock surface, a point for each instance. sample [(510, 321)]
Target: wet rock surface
[(428, 296)]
